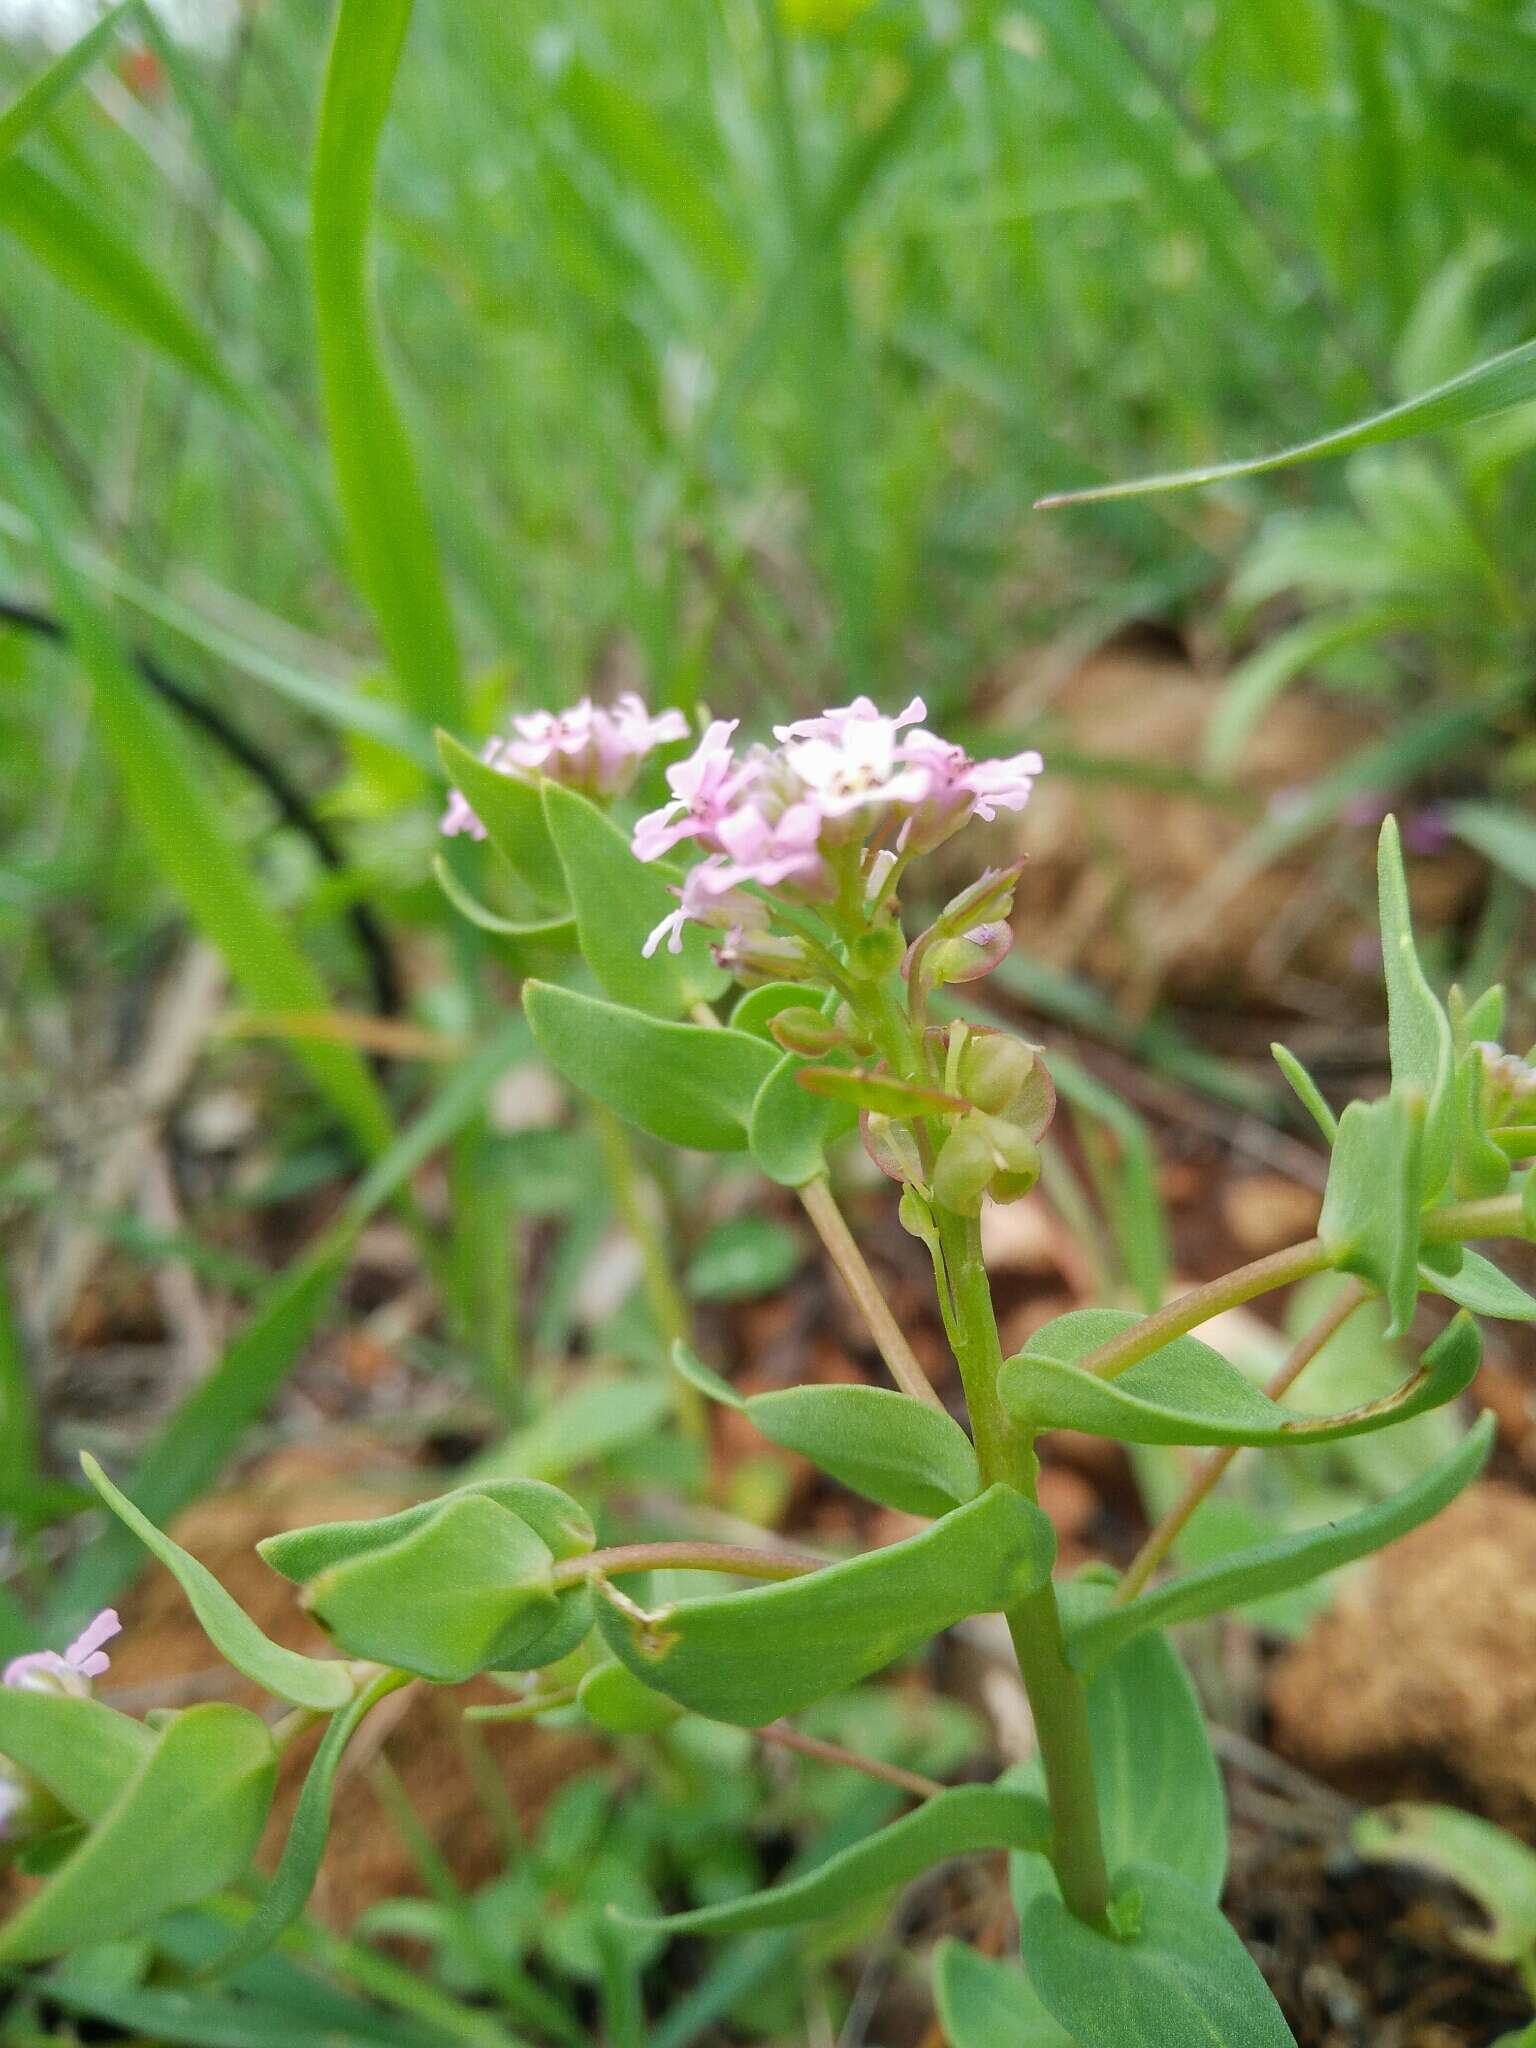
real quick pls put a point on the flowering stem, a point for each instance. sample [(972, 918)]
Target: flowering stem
[(1209, 1471), (1198, 1306), (1057, 1697), (842, 1249)]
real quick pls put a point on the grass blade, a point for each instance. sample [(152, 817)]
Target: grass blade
[(1492, 387), (394, 550), (169, 798), (42, 94)]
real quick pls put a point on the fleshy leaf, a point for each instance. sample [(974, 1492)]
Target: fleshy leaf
[(957, 1822), (545, 930), (182, 1828), (688, 1084), (509, 809), (882, 1444), (1306, 1091), (81, 1750), (984, 2004), (759, 1006), (616, 1700), (1375, 1192), (1186, 1393), (303, 1681), (749, 1657), (618, 902), (1418, 1030), (1185, 1978), (1488, 1863), (705, 1378), (1286, 1561), (790, 1129), (465, 1590), (299, 1865), (1479, 1285)]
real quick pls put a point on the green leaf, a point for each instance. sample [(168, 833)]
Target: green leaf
[(747, 1658), (40, 95), (303, 1681), (1478, 1285), (1492, 387), (958, 1822), (688, 1084), (742, 1258), (1286, 1561), (1186, 1393), (82, 1751), (705, 1378), (536, 930), (984, 2004), (185, 1826), (578, 1428), (616, 1700), (1418, 1030), (299, 1865), (466, 1589), (1487, 1862), (1374, 1198), (882, 1444), (512, 811), (1506, 837), (759, 1006), (394, 548), (1186, 1978), (71, 239), (558, 1521), (790, 1130), (860, 1088), (619, 901), (168, 797), (1306, 1091)]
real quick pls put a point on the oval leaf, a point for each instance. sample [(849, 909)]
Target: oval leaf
[(1185, 1978), (559, 1521), (513, 816), (616, 1700), (957, 1822), (82, 1751), (1375, 1192), (749, 1657), (789, 1130), (303, 1681), (536, 931), (1186, 1393), (184, 1827), (619, 901), (1287, 1561), (882, 1444), (464, 1590), (685, 1083)]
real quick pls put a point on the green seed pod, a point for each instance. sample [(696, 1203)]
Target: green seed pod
[(993, 1069), (1018, 1162), (965, 1165)]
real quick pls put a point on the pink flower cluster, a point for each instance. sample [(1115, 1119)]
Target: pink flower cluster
[(777, 816), (594, 748)]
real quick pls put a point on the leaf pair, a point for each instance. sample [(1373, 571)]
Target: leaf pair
[(748, 1658), (882, 1444), (1187, 1393)]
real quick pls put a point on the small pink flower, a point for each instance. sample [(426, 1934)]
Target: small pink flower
[(831, 725), (708, 896), (700, 786), (85, 1659), (594, 748)]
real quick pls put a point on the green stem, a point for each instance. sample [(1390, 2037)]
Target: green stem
[(1278, 1269), (664, 1298), (688, 1557), (843, 1250), (1057, 1697)]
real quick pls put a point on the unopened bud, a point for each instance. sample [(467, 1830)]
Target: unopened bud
[(755, 958), (967, 957), (804, 1030), (993, 1069), (964, 1168)]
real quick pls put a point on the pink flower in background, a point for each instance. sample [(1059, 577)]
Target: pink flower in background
[(594, 748), (85, 1659)]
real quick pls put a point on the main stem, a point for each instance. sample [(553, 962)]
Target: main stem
[(1057, 1697)]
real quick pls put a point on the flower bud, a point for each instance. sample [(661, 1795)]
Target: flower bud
[(1508, 1088), (755, 958), (968, 956), (804, 1030), (993, 1069)]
